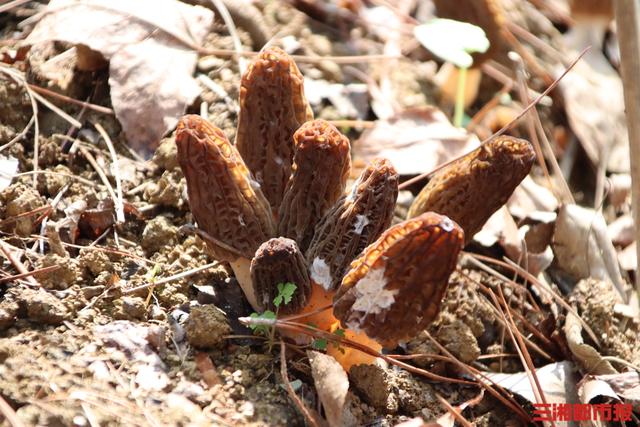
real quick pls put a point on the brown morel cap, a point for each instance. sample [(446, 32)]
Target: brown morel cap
[(226, 203), (279, 261), (272, 107), (320, 169), (355, 221), (472, 188), (395, 288)]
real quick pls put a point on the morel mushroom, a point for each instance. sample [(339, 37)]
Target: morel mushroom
[(272, 107), (470, 189), (320, 169), (395, 288), (225, 202), (279, 261), (355, 221)]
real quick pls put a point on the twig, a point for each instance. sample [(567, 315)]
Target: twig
[(9, 414), (103, 177), (628, 21), (231, 27), (178, 276), (30, 273), (505, 128), (462, 420), (119, 203), (292, 393), (6, 249), (94, 107)]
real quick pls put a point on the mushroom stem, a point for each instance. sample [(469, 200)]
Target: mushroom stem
[(242, 270)]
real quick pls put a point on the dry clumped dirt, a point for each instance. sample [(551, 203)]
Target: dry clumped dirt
[(80, 348)]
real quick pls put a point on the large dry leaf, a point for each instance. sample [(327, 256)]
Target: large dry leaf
[(557, 380), (592, 84), (147, 43), (331, 384), (583, 248), (415, 141)]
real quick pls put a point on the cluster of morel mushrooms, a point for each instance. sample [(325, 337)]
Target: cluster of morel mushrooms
[(274, 206)]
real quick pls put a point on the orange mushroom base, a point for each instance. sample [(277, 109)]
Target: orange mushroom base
[(324, 320)]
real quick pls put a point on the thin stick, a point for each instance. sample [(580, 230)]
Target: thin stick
[(178, 276), (231, 27), (9, 414), (30, 273), (94, 107), (505, 128), (292, 393), (453, 411), (100, 172), (6, 249), (119, 203), (628, 22)]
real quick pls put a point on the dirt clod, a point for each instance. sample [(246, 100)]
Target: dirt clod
[(206, 327)]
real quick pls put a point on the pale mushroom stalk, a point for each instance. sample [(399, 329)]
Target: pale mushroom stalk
[(225, 201)]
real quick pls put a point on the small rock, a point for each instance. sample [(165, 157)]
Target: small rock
[(43, 307), (206, 327), (156, 336), (168, 190), (18, 199), (460, 341), (158, 232), (166, 155), (8, 311), (95, 261), (374, 386), (63, 278), (130, 308)]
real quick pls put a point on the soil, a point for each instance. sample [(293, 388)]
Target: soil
[(83, 347)]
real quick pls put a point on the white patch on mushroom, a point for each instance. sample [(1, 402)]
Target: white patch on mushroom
[(241, 220), (255, 185), (371, 295), (361, 222), (278, 160), (321, 273), (446, 224)]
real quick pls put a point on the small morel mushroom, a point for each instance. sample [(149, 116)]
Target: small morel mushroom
[(395, 288), (355, 221), (272, 107), (470, 189), (226, 203), (279, 261), (319, 175)]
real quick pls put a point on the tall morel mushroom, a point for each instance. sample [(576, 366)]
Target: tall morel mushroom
[(354, 221), (272, 108), (470, 189), (319, 175), (279, 261), (225, 201), (395, 288)]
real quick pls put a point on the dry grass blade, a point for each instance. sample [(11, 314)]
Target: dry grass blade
[(88, 105), (9, 414), (30, 273), (231, 27), (119, 203), (292, 394), (458, 416), (521, 348), (35, 211), (7, 250), (476, 258), (177, 276)]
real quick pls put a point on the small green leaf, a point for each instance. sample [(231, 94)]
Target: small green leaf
[(295, 384), (339, 332), (319, 344), (452, 41), (262, 329), (285, 292)]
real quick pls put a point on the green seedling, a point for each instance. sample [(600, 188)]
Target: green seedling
[(284, 296), (453, 41), (321, 343)]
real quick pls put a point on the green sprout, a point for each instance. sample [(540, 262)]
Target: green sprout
[(285, 295), (453, 41)]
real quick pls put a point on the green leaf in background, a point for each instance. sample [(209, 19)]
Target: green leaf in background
[(262, 329), (452, 41)]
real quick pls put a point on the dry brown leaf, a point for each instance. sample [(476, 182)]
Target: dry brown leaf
[(583, 248), (626, 385), (415, 141), (592, 84), (557, 380), (149, 47), (332, 385), (587, 356)]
